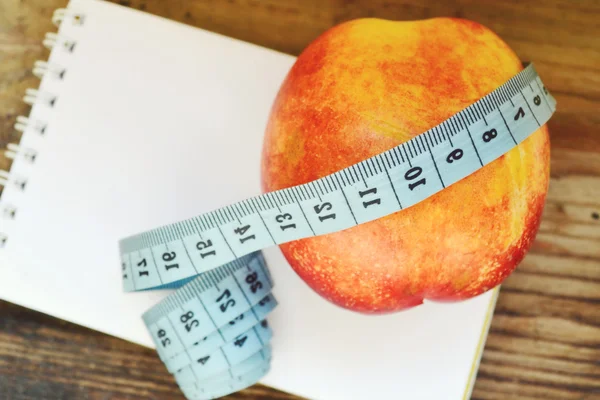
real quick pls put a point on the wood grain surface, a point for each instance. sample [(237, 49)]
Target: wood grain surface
[(544, 341)]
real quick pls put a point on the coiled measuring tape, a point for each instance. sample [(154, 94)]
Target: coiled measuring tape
[(212, 334), (213, 349)]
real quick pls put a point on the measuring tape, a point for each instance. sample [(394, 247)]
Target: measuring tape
[(211, 334)]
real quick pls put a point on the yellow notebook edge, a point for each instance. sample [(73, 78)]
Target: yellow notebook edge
[(481, 344)]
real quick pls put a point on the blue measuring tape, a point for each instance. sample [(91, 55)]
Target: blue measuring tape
[(212, 333)]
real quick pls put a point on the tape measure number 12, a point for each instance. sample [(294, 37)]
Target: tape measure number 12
[(211, 333)]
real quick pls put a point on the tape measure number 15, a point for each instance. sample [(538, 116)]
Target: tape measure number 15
[(219, 251)]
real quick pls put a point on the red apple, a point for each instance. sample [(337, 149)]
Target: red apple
[(366, 86)]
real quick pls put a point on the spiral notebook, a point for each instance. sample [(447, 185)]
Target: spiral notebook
[(140, 121)]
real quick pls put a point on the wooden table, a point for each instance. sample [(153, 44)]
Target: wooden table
[(545, 336)]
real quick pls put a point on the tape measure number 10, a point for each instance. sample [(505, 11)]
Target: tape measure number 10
[(219, 251)]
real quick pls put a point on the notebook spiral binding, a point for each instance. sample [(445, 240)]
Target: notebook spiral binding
[(42, 70)]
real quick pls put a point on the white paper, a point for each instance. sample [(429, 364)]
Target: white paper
[(156, 122)]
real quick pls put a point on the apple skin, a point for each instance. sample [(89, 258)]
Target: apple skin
[(366, 86)]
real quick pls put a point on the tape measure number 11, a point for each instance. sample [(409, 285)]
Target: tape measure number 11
[(216, 256)]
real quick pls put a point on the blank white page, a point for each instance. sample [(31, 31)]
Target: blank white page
[(156, 122)]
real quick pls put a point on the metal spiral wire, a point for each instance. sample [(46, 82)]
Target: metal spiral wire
[(35, 97)]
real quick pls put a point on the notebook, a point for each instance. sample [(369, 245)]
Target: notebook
[(137, 118)]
